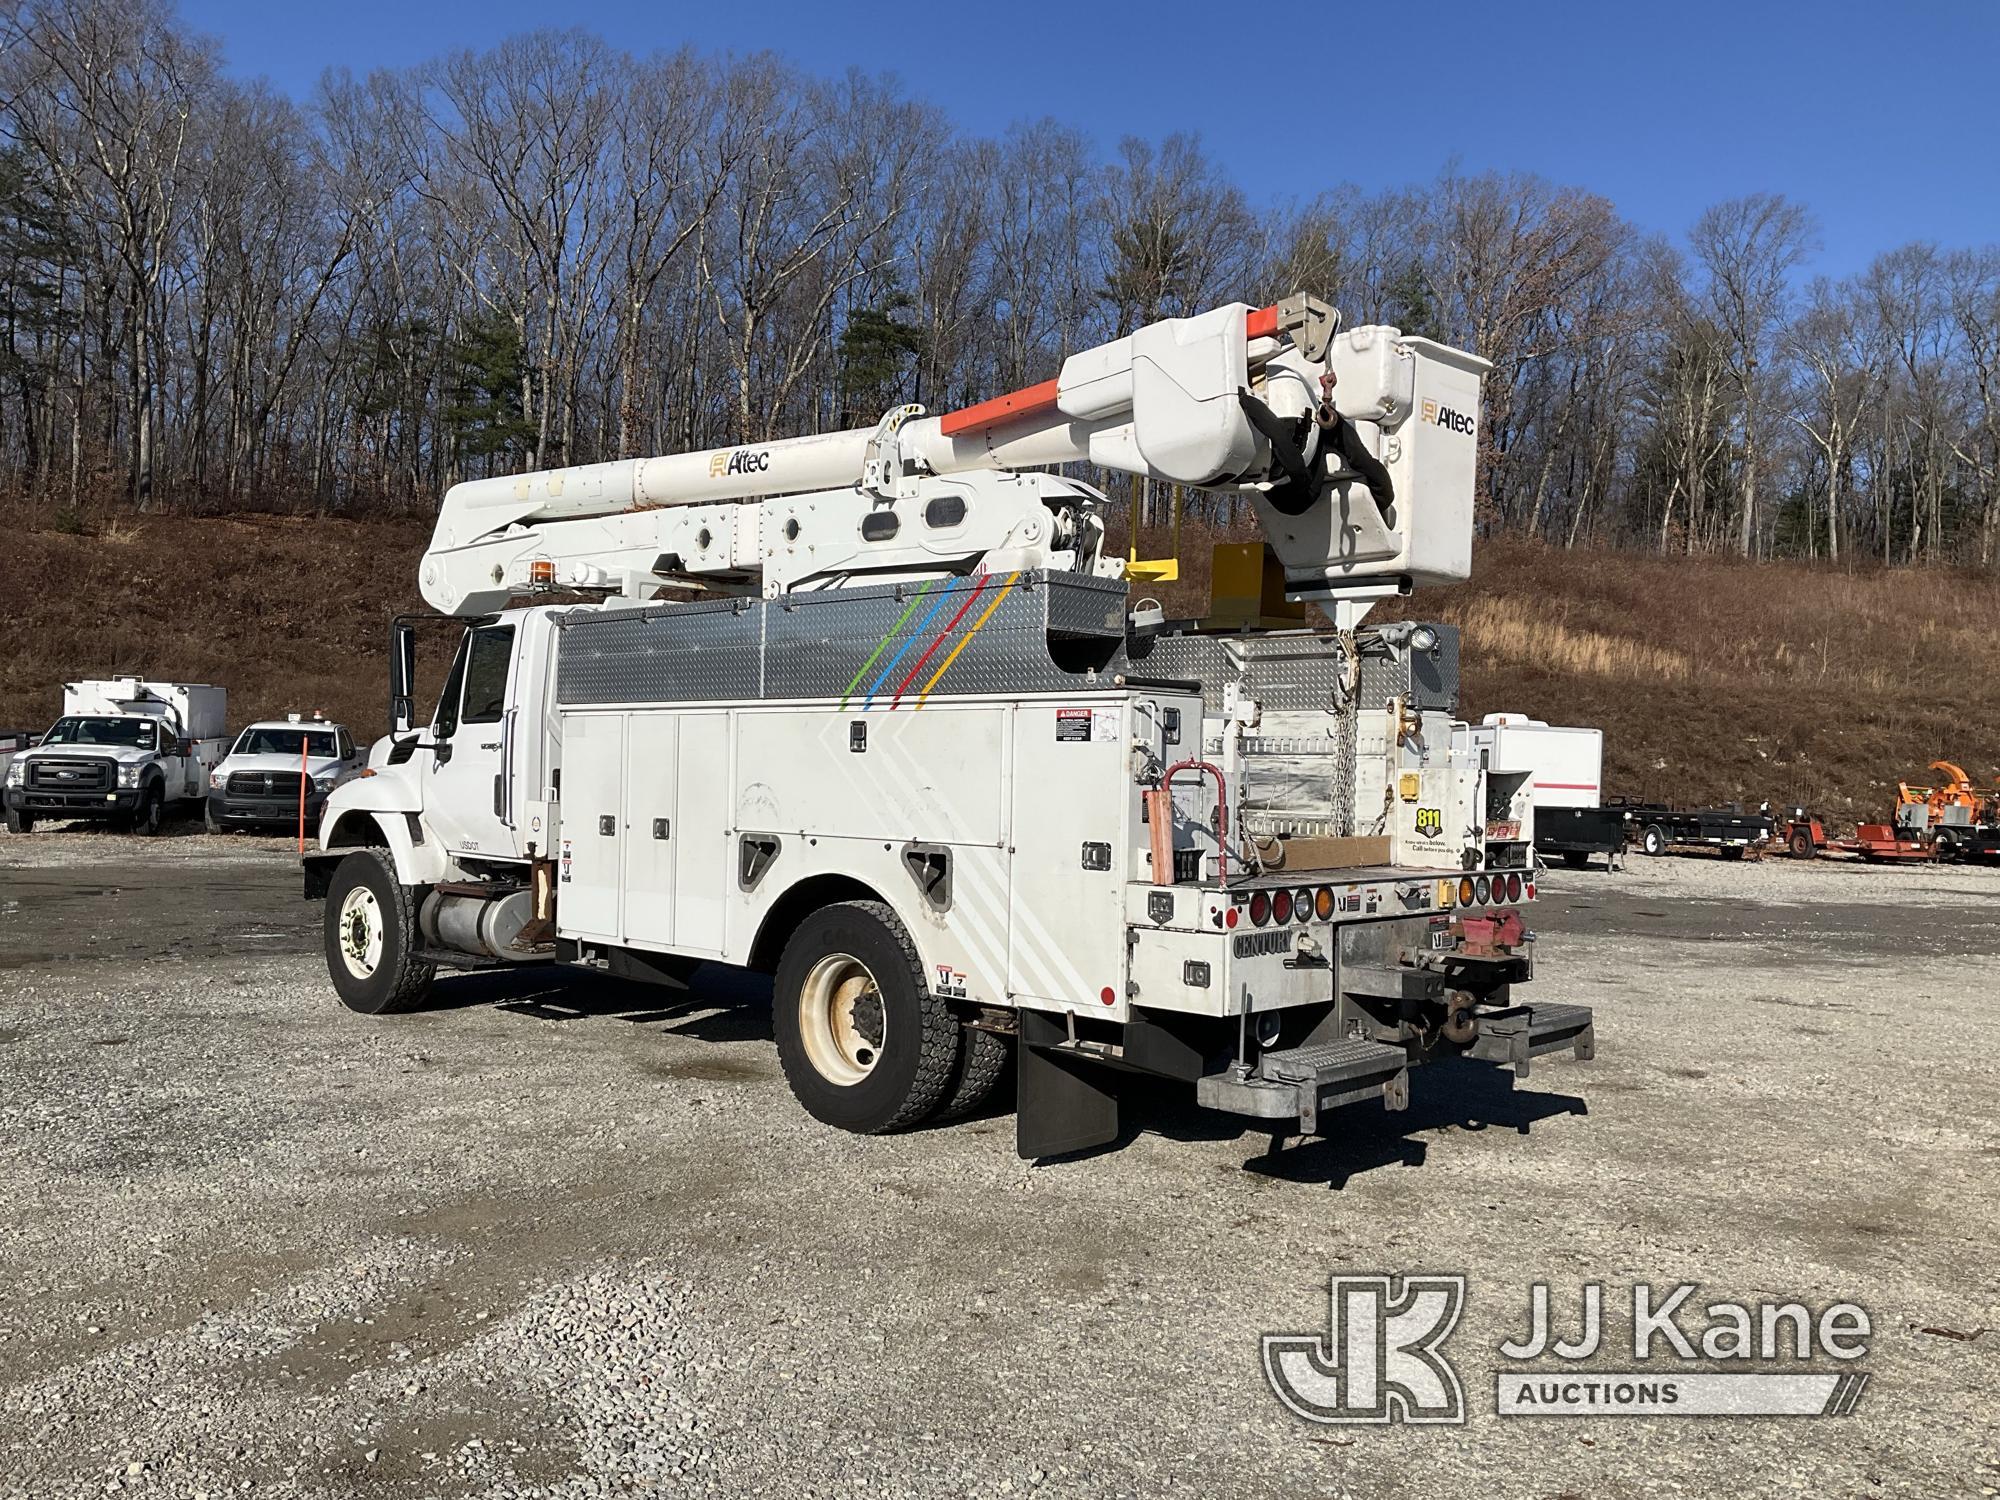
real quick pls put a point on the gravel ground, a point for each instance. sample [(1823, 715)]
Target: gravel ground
[(558, 1236)]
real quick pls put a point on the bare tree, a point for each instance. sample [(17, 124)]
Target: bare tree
[(1749, 247)]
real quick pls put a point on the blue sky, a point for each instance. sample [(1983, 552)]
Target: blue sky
[(1879, 117)]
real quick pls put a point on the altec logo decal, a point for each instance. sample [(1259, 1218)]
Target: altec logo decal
[(1444, 416), (739, 461)]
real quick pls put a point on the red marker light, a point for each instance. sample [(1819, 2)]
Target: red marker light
[(1229, 917), (1108, 995)]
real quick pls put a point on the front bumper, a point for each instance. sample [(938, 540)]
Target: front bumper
[(264, 812), (39, 802), (1298, 1083)]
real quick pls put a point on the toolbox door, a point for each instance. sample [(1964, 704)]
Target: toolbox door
[(590, 862)]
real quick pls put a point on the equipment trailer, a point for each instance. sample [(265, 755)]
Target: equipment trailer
[(1730, 831), (922, 761)]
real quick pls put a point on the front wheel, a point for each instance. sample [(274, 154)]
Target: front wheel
[(19, 822), (372, 939), (152, 813), (864, 1044)]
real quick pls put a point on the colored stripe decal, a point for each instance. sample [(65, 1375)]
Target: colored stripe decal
[(902, 619), (970, 599), (965, 640), (924, 625)]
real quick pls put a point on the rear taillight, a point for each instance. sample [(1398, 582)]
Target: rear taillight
[(1281, 906), (1260, 908), (1513, 887)]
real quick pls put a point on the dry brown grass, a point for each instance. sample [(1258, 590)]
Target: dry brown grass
[(1713, 680)]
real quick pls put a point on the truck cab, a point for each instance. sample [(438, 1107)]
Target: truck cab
[(125, 750), (279, 772)]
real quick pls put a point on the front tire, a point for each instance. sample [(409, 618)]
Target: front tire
[(371, 936), (19, 822), (864, 1044), (151, 814)]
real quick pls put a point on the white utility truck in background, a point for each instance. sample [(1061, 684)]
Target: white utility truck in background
[(1565, 769), (278, 772), (124, 749), (919, 755)]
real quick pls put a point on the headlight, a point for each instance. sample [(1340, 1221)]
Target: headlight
[(215, 779), (324, 784), (17, 772), (128, 776)]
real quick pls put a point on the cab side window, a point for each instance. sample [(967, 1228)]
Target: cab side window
[(486, 666)]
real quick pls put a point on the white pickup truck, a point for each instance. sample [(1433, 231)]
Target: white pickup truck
[(125, 750), (279, 772)]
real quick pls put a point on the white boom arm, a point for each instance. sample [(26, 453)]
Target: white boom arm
[(1377, 493)]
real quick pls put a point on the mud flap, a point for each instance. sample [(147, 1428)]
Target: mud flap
[(1062, 1103)]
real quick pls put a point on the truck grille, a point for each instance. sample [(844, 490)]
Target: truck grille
[(83, 774), (264, 784)]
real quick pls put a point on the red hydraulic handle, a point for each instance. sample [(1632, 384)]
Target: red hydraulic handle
[(1221, 807)]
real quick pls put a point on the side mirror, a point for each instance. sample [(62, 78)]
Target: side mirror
[(402, 678), (185, 748)]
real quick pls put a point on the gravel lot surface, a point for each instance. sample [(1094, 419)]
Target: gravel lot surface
[(560, 1236)]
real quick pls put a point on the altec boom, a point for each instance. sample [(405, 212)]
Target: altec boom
[(913, 751)]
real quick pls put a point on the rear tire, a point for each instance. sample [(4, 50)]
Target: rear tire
[(1654, 839), (982, 1059), (1576, 859), (371, 936), (1802, 844), (864, 1044), (20, 822)]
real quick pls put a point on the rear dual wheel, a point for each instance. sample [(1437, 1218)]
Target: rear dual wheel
[(864, 1043)]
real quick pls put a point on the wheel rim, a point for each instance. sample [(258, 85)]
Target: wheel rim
[(361, 932), (842, 1021)]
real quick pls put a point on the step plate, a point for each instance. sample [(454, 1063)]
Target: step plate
[(1326, 1075), (1528, 1031)]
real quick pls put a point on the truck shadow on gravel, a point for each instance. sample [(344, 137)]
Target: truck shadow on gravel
[(719, 1004), (1449, 1095)]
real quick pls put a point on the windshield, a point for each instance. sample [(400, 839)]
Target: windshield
[(317, 742), (127, 733)]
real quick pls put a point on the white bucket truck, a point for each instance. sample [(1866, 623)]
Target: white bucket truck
[(125, 749), (918, 756)]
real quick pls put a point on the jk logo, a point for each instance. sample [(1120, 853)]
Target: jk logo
[(1379, 1361)]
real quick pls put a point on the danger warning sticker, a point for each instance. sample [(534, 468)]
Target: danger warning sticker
[(1082, 725)]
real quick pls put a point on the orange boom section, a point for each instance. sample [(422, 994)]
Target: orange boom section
[(1036, 399)]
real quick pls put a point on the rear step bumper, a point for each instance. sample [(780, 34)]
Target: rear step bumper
[(1298, 1083)]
